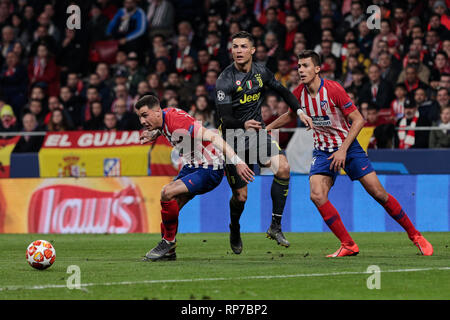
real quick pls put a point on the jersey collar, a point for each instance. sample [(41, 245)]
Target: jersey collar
[(320, 87)]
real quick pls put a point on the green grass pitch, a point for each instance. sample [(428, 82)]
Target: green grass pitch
[(111, 268)]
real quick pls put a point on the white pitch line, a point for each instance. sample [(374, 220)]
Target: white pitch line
[(56, 286)]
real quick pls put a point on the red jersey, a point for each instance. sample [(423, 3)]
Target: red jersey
[(328, 111), (179, 125)]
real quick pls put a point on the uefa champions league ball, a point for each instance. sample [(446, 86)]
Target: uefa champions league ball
[(40, 254)]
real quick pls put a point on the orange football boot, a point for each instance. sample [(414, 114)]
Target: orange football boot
[(345, 250), (424, 246)]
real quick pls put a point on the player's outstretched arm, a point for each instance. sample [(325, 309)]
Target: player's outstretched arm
[(282, 120), (241, 167)]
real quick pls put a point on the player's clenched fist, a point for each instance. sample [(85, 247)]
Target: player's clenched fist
[(149, 136)]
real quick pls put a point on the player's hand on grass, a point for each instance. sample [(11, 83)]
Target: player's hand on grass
[(307, 121), (338, 158), (149, 136), (252, 124), (245, 172)]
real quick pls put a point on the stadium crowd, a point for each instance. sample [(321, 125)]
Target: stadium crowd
[(53, 78)]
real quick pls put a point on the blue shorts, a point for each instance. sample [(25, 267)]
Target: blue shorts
[(200, 180), (357, 163)]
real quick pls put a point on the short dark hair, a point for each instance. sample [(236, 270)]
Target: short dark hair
[(243, 35), (310, 54), (150, 101)]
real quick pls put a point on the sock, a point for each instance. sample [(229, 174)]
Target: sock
[(163, 230), (278, 192), (236, 209), (396, 212), (334, 222), (169, 216)]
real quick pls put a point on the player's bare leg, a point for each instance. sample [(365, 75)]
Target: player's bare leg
[(373, 186), (237, 203), (279, 191), (173, 197), (320, 186)]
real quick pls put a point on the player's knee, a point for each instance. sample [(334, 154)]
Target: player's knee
[(284, 170), (166, 193), (380, 195), (318, 198), (240, 196)]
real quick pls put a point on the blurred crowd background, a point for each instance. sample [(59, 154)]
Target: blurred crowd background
[(56, 79)]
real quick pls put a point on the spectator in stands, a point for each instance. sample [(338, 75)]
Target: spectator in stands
[(72, 105), (160, 17), (142, 89), (422, 71), (355, 17), (97, 24), (54, 104), (58, 121), (441, 138), (7, 42), (353, 50), (274, 50), (444, 81), (384, 35), (102, 69), (74, 84), (136, 72), (443, 98), (441, 64), (336, 47), (398, 104), (8, 121), (110, 122), (190, 76), (42, 69), (365, 39), (126, 120), (183, 49), (389, 72), (216, 49), (35, 107), (411, 80), (97, 116), (202, 106), (14, 82), (29, 143), (121, 92), (377, 90), (291, 29), (72, 57), (91, 96), (210, 82), (282, 74), (273, 25), (155, 85), (427, 108), (129, 26), (406, 139), (263, 58)]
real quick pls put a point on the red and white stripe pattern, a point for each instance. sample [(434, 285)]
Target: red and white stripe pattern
[(328, 110), (180, 128), (398, 108)]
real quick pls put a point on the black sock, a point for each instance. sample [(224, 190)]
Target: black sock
[(236, 209), (279, 192)]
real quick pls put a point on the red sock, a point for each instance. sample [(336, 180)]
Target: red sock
[(169, 216), (334, 222), (396, 212)]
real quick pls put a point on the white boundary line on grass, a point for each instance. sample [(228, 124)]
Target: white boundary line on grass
[(57, 286)]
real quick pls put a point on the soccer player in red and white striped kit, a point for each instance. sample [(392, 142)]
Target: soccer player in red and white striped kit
[(337, 123)]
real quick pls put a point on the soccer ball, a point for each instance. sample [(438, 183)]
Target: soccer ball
[(40, 254)]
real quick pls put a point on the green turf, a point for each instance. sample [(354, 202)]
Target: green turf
[(116, 258)]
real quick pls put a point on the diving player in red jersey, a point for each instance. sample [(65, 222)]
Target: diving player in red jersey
[(201, 151), (335, 148)]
